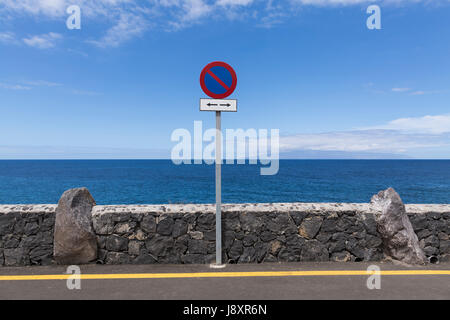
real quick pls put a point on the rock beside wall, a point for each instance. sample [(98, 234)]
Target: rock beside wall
[(74, 240), (400, 240)]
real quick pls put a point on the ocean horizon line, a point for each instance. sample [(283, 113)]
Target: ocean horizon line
[(281, 159)]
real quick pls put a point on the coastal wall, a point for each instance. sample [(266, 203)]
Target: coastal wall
[(26, 234), (145, 234)]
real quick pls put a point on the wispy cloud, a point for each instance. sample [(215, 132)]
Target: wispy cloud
[(438, 124), (194, 9), (123, 20), (188, 12), (28, 84), (86, 93), (42, 83), (399, 136), (416, 92), (7, 37), (43, 41), (57, 8), (358, 2), (422, 92), (13, 86), (126, 28), (234, 2), (390, 141), (78, 52), (32, 84), (46, 7), (76, 152), (401, 89)]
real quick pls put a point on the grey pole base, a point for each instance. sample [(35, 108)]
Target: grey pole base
[(217, 266)]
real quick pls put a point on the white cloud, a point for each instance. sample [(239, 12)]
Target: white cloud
[(28, 85), (234, 2), (13, 86), (427, 125), (194, 9), (125, 19), (85, 93), (7, 37), (75, 152), (78, 52), (57, 8), (274, 17), (43, 41), (42, 83), (356, 2), (332, 2), (363, 140), (400, 136), (416, 92), (126, 28), (421, 92), (401, 89)]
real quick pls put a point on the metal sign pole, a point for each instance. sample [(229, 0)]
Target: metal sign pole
[(214, 78), (218, 190)]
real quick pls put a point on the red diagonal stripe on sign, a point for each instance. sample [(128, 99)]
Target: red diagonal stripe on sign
[(217, 79)]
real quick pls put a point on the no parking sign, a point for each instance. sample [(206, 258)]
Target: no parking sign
[(218, 80)]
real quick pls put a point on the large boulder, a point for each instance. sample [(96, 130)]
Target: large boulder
[(74, 239), (399, 240)]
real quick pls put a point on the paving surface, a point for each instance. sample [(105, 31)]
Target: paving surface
[(234, 282)]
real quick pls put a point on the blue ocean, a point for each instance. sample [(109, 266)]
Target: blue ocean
[(162, 182)]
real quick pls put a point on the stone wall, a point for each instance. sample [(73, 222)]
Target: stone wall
[(26, 234), (251, 233)]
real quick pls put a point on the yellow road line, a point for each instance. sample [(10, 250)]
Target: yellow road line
[(225, 274)]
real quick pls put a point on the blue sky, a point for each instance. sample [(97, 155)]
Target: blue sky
[(118, 87)]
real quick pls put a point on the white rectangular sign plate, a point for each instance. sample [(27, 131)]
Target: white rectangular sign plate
[(228, 105)]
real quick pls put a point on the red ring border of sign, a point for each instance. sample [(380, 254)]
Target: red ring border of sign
[(233, 76)]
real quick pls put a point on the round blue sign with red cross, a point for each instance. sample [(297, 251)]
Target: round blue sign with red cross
[(218, 80)]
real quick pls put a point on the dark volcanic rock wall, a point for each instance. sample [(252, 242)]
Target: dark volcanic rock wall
[(251, 233), (26, 234)]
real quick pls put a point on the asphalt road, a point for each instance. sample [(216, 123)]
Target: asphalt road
[(234, 282)]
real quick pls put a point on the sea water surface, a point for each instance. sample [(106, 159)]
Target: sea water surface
[(162, 182)]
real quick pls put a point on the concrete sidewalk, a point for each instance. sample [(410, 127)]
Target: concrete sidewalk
[(234, 282)]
